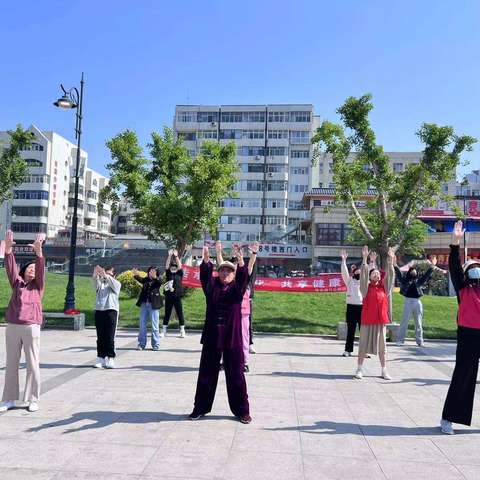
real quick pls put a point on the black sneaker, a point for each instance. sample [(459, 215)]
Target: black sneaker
[(195, 416), (246, 369), (245, 419)]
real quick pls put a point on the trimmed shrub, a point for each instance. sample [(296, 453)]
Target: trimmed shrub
[(130, 286)]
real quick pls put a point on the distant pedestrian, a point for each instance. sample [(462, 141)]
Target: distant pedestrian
[(411, 288), (24, 318), (150, 302), (107, 309), (375, 312), (458, 406), (174, 292), (222, 334)]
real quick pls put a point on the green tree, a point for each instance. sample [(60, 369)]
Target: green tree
[(13, 168), (176, 197), (359, 163)]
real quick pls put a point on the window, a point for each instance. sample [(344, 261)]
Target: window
[(398, 167), (30, 211), (299, 116), (320, 168), (253, 134), (275, 220), (254, 116), (209, 117), (104, 213), (275, 151), (230, 117), (33, 147), (278, 134), (231, 134), (31, 162), (207, 134), (251, 151), (332, 234), (91, 194), (29, 227), (330, 167), (276, 168), (251, 167), (295, 205), (91, 209), (71, 203), (298, 188), (37, 179), (299, 153), (229, 236), (254, 186), (30, 195), (186, 117), (299, 170), (299, 136), (317, 203), (277, 116), (188, 136), (240, 203), (276, 186), (275, 203), (72, 189)]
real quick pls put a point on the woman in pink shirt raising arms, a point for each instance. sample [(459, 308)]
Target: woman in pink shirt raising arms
[(24, 317)]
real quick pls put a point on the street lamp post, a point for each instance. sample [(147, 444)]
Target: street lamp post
[(73, 99)]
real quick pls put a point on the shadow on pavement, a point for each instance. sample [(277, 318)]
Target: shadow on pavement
[(344, 428)]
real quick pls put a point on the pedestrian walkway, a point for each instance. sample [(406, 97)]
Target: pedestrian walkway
[(311, 420)]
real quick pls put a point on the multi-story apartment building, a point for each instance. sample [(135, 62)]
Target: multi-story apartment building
[(274, 153), (44, 202)]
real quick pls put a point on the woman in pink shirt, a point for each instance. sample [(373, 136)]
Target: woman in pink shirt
[(24, 317)]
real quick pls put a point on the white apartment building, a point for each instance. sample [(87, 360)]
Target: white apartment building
[(274, 153), (44, 202)]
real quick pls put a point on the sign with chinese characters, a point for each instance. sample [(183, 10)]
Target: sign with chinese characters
[(327, 282), (275, 250)]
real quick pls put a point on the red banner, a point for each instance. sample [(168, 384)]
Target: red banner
[(326, 282)]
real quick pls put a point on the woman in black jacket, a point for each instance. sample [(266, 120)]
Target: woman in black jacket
[(150, 301)]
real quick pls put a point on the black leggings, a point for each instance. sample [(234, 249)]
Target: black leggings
[(354, 316), (170, 302), (458, 406)]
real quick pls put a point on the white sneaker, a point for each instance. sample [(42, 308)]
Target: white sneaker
[(99, 362), (7, 405), (182, 332), (346, 354), (359, 373), (251, 350), (385, 374), (399, 344), (446, 427), (109, 363), (421, 344), (33, 407), (163, 331)]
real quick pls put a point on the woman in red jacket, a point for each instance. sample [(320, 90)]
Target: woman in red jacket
[(466, 280), (375, 316)]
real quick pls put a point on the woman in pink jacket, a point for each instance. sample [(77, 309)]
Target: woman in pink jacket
[(24, 317)]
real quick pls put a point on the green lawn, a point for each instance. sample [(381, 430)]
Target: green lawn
[(273, 312)]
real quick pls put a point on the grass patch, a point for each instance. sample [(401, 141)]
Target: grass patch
[(273, 312)]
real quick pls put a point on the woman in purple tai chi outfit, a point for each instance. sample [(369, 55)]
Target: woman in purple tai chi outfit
[(222, 334)]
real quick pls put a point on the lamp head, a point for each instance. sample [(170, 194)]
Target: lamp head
[(65, 102)]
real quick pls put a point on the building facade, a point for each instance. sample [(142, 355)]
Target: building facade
[(44, 202), (274, 153)]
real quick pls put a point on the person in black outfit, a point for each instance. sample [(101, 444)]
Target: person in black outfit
[(411, 288), (251, 286), (173, 292), (458, 406), (150, 301)]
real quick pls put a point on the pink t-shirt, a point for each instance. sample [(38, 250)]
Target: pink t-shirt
[(469, 308), (246, 302), (25, 307)]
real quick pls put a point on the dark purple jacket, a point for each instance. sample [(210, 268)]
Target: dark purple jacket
[(223, 301)]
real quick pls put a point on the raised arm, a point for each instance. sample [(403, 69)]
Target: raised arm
[(169, 259), (241, 276), (39, 263), (427, 275), (113, 283), (364, 270), (253, 257), (373, 260), (176, 259), (218, 252), (206, 272), (388, 281), (10, 262), (344, 269), (398, 274), (454, 262)]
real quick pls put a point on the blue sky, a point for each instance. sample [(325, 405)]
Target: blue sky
[(419, 59)]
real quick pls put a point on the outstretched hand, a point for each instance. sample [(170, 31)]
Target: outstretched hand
[(206, 253), (433, 260), (365, 252), (458, 232), (9, 243), (37, 244), (344, 255)]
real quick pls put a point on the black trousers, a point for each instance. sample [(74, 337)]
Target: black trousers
[(459, 402), (354, 316), (170, 302), (106, 325), (233, 362)]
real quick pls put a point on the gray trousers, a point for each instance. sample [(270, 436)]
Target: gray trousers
[(412, 306)]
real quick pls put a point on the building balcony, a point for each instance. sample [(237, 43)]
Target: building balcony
[(442, 241), (270, 176)]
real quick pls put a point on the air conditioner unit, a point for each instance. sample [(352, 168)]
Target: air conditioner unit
[(270, 174), (257, 157)]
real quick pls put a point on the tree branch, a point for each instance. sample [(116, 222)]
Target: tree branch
[(360, 219)]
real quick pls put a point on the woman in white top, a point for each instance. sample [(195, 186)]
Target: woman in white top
[(354, 299), (106, 314)]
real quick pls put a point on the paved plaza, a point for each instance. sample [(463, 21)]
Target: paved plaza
[(311, 420)]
